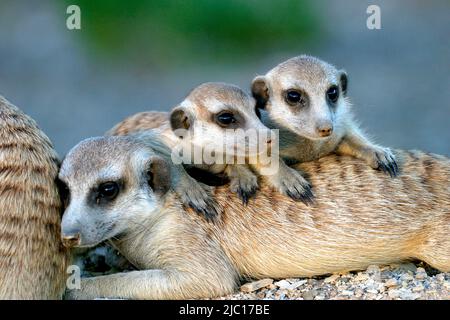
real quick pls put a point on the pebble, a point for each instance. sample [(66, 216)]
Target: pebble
[(282, 284), (331, 278), (391, 283), (255, 285)]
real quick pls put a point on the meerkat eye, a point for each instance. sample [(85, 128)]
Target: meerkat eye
[(293, 97), (108, 190), (333, 94), (225, 118)]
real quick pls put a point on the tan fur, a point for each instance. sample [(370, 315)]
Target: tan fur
[(32, 259), (361, 217)]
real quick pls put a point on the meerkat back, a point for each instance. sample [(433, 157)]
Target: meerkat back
[(32, 259)]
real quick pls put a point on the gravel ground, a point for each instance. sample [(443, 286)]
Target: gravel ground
[(396, 282), (406, 281)]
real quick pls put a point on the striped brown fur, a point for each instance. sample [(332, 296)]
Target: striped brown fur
[(32, 259)]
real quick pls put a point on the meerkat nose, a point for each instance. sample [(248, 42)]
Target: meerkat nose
[(71, 240), (325, 129)]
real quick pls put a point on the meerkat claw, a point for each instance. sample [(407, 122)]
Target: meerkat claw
[(245, 195), (305, 195), (388, 165)]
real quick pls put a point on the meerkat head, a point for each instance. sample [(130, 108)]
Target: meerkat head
[(213, 114), (303, 94), (108, 183)]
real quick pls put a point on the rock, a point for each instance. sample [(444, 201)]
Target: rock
[(361, 277), (297, 284), (309, 295), (331, 278), (407, 277), (282, 284), (374, 291), (418, 288), (394, 294), (374, 272), (347, 293), (253, 286), (391, 283), (421, 274)]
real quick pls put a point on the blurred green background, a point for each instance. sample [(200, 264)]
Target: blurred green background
[(139, 55), (156, 32)]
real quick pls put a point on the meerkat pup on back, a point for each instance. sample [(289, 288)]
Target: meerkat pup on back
[(33, 260), (209, 119), (120, 190), (306, 99)]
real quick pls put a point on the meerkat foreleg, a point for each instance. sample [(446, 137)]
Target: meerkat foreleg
[(146, 284), (290, 182), (355, 144), (195, 194), (243, 181)]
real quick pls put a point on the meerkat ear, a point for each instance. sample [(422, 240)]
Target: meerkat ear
[(260, 91), (180, 120), (343, 79), (158, 175)]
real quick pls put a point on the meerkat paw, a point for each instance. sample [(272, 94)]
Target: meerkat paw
[(200, 198), (294, 185), (383, 159), (245, 187)]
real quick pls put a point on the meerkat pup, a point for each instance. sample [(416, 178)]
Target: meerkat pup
[(306, 99), (120, 190), (210, 118), (33, 260)]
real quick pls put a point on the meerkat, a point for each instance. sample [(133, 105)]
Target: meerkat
[(33, 260), (120, 192), (208, 114), (306, 99)]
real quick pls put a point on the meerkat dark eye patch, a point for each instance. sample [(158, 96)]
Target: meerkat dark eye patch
[(225, 118), (295, 97), (64, 192), (333, 94), (108, 190)]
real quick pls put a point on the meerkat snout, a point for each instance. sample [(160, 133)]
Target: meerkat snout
[(324, 128), (71, 238)]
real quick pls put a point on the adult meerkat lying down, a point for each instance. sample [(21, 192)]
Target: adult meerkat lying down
[(306, 99), (206, 117), (120, 190)]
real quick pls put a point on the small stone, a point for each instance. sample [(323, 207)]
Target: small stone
[(421, 274), (319, 297), (331, 278), (253, 286), (361, 277), (440, 277), (394, 294), (347, 293), (309, 295), (391, 283), (283, 284), (374, 291), (407, 277), (418, 288), (297, 284)]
